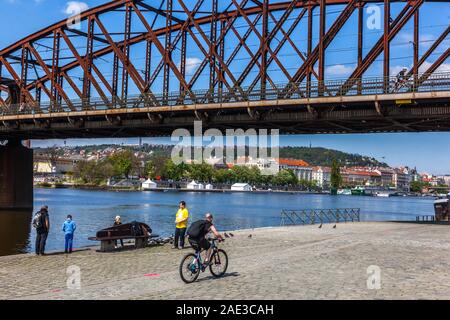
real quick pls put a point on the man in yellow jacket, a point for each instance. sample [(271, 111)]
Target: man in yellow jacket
[(181, 221)]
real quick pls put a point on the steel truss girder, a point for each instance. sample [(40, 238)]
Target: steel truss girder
[(212, 47)]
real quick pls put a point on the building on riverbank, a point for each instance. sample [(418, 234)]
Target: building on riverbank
[(402, 179), (322, 176), (302, 169), (387, 176), (358, 177), (42, 165), (149, 185)]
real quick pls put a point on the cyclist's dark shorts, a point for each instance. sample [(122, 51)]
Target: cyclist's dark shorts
[(199, 243)]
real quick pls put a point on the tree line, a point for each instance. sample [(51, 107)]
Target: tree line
[(125, 164)]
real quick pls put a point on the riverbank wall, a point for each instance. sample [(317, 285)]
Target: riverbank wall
[(130, 189)]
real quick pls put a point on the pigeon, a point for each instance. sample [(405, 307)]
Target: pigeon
[(231, 234), (320, 226), (250, 236), (334, 227), (226, 235)]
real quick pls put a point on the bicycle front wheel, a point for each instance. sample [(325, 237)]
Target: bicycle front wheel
[(189, 268), (219, 263)]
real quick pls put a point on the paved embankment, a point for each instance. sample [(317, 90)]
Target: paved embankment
[(279, 263)]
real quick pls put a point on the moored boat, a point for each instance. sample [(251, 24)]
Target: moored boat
[(358, 191)]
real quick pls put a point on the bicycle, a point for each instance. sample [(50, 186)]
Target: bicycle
[(192, 263)]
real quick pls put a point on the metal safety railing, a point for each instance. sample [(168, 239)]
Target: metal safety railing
[(425, 218), (331, 88), (314, 216)]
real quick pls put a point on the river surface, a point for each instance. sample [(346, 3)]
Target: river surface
[(95, 210)]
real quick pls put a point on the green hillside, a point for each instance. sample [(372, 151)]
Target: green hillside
[(324, 157), (314, 156)]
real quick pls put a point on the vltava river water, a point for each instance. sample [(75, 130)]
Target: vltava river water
[(95, 210)]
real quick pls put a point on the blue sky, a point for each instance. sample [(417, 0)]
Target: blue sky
[(428, 151)]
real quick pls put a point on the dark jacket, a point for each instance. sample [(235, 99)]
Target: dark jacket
[(44, 223)]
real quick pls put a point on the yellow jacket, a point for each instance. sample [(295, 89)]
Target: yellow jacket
[(181, 215)]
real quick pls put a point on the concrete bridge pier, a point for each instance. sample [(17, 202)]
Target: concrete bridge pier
[(16, 176)]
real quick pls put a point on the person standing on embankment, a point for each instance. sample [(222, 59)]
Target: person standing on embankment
[(181, 225)]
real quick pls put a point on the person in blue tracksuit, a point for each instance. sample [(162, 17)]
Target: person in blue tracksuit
[(68, 228)]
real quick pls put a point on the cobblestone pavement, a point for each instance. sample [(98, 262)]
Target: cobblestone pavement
[(275, 263)]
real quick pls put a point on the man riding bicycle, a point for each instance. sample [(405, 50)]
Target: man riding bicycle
[(401, 76), (197, 233)]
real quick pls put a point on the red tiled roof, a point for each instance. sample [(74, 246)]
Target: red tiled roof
[(361, 173), (293, 162)]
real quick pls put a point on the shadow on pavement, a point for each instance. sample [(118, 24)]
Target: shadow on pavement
[(226, 275), (59, 253)]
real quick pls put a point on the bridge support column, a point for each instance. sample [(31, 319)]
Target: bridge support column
[(16, 176)]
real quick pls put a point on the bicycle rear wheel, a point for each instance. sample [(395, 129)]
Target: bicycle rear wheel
[(219, 263), (189, 269)]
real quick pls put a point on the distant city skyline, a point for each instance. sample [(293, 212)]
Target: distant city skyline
[(428, 152)]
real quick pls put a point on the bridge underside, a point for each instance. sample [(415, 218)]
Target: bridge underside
[(323, 115)]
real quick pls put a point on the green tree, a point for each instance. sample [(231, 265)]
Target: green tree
[(242, 174), (223, 176), (285, 177), (124, 163), (336, 177), (307, 184), (93, 172), (155, 167), (417, 186), (84, 171), (150, 169), (174, 171), (201, 172), (255, 176)]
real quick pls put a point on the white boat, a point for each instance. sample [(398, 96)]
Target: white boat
[(382, 194), (345, 192)]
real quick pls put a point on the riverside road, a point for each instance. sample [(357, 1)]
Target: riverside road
[(304, 262)]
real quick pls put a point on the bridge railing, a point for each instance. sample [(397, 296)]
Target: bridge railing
[(330, 88), (314, 216), (425, 218)]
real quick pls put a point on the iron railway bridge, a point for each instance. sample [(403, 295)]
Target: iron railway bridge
[(104, 78)]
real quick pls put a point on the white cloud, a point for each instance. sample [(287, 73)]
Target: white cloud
[(425, 39), (393, 71), (192, 64), (405, 37), (75, 7), (443, 68), (339, 70)]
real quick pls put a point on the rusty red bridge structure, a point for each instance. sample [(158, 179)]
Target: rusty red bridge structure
[(145, 68)]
